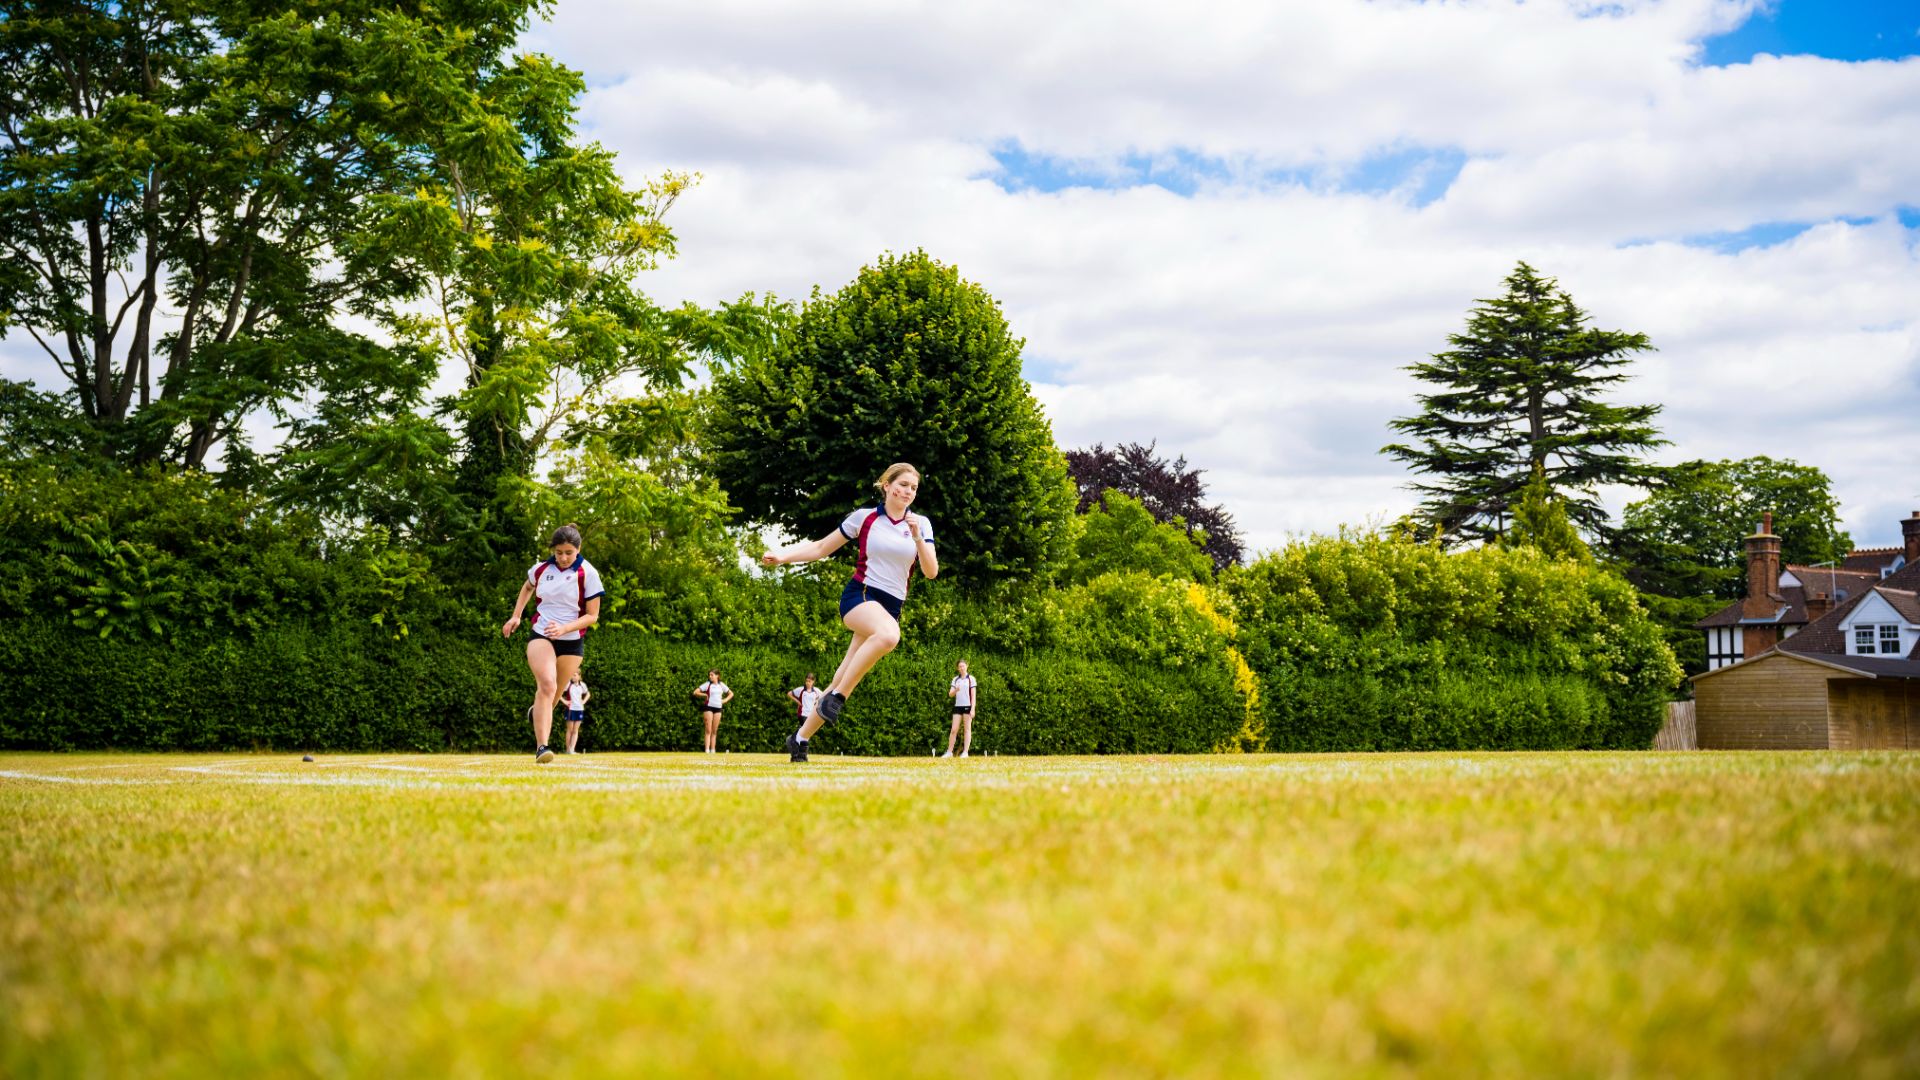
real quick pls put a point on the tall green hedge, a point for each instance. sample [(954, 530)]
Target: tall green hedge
[(1366, 642), (348, 689)]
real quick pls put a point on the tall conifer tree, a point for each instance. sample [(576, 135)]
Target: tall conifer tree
[(1519, 390)]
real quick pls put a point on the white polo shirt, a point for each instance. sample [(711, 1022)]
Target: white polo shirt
[(576, 696), (963, 686), (808, 698), (561, 595), (884, 552), (716, 693)]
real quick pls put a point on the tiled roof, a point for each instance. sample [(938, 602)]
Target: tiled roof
[(1791, 611), (1880, 667), (1828, 580), (1823, 636), (1869, 559)]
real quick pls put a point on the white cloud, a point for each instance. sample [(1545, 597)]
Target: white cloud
[(1262, 328)]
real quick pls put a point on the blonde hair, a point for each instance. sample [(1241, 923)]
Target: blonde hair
[(893, 473)]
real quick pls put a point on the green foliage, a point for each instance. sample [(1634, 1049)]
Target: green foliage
[(1521, 389), (1118, 534), (908, 362), (356, 688), (156, 553), (208, 161), (1367, 642), (1684, 545), (1540, 522), (1687, 537)]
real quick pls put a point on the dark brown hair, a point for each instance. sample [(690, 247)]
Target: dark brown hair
[(565, 534)]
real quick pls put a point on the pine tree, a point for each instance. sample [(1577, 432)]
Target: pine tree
[(1540, 521), (1520, 390)]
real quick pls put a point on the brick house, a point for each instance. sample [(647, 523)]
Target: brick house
[(1782, 600), (1816, 657)]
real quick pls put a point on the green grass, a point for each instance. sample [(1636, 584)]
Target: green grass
[(1698, 914)]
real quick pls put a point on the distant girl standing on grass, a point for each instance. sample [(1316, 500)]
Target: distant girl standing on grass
[(566, 592), (805, 696), (965, 692), (713, 696), (576, 696), (889, 541)]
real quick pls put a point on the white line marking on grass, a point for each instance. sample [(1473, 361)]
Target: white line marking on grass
[(94, 781)]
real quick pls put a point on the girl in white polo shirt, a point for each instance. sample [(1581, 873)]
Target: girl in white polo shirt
[(889, 542), (965, 692), (805, 697), (568, 590), (713, 696)]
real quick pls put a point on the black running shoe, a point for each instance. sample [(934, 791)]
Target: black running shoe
[(543, 755), (830, 706), (796, 748)]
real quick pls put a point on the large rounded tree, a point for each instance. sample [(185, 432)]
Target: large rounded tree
[(908, 362)]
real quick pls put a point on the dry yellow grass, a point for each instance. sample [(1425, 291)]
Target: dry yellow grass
[(617, 915)]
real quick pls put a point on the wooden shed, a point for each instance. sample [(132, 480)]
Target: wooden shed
[(1883, 714), (1796, 701)]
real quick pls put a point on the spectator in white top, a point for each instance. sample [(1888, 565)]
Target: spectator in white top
[(566, 590), (890, 541), (576, 696), (713, 696), (805, 696), (965, 692)]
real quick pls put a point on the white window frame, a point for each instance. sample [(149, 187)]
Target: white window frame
[(1864, 635), (1890, 639)]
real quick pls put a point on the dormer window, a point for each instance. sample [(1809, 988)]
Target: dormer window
[(1882, 640)]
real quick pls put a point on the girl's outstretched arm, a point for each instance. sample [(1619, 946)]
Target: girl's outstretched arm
[(805, 551)]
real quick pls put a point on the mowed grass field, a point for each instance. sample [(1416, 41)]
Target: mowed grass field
[(1583, 914)]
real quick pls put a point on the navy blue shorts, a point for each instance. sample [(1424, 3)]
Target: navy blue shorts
[(574, 716), (857, 593)]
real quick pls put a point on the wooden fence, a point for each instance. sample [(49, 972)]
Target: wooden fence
[(1678, 732)]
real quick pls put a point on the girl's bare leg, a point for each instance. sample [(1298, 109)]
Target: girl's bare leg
[(952, 734), (967, 747), (573, 735), (875, 634), (540, 660)]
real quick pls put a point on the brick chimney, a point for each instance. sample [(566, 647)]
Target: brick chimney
[(1818, 604), (1910, 532), (1763, 572)]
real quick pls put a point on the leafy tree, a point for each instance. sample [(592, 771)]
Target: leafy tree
[(525, 243), (174, 184), (908, 362), (1540, 521), (1120, 536), (1520, 390), (37, 425), (1169, 490), (1688, 536)]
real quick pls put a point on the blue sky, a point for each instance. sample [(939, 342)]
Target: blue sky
[(1834, 29)]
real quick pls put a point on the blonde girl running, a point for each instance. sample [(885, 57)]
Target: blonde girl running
[(889, 541)]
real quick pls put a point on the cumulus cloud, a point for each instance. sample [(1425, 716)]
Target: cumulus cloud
[(1259, 317)]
